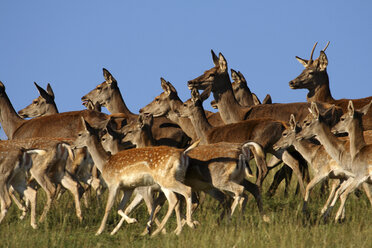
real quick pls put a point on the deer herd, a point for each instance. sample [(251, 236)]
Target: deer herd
[(178, 152)]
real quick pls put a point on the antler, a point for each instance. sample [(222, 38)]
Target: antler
[(326, 46), (312, 52)]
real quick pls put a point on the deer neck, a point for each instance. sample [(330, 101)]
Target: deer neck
[(9, 118), (146, 138), (321, 92), (228, 106), (334, 147), (357, 141), (98, 153), (117, 104), (200, 123), (183, 122), (52, 109)]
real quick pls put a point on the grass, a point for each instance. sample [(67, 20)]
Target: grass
[(287, 227)]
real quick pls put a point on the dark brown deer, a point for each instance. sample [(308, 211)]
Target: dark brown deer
[(108, 95), (64, 125), (315, 78)]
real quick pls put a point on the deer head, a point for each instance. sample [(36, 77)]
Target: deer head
[(350, 118), (164, 102), (212, 76), (315, 71), (42, 105), (288, 135), (103, 92)]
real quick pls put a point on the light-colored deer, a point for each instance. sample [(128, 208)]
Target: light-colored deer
[(322, 164), (132, 168), (49, 170), (315, 126), (14, 164), (218, 166), (360, 151)]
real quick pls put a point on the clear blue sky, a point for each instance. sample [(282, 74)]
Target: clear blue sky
[(67, 43)]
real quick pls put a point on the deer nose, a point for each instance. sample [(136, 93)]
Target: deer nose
[(141, 110)]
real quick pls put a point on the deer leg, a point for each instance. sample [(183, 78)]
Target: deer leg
[(335, 186), (18, 203), (49, 189), (113, 189), (30, 195), (317, 179), (255, 191), (172, 200), (293, 163), (158, 203), (74, 187), (283, 173), (124, 217), (4, 200), (368, 192), (343, 197), (340, 190)]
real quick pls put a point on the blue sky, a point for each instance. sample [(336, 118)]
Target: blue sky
[(67, 43)]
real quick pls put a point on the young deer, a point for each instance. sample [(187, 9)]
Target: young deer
[(315, 79), (315, 126), (49, 170), (213, 168), (321, 163), (360, 151), (14, 164), (132, 168)]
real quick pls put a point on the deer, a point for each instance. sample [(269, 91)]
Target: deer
[(314, 125), (213, 168), (236, 133), (107, 94), (132, 168), (351, 123), (14, 164), (42, 105), (315, 79), (231, 111), (321, 163), (49, 170), (81, 163), (242, 93), (64, 125)]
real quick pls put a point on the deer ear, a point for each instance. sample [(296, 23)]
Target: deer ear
[(108, 77), (292, 122), (215, 58), (314, 110), (50, 91), (242, 78), (234, 75), (323, 61), (164, 86), (302, 61), (222, 62), (365, 109), (350, 108), (42, 92), (195, 95)]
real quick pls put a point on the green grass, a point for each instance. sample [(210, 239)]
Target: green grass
[(287, 229)]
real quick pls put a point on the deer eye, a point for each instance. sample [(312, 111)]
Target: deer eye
[(35, 102), (342, 118)]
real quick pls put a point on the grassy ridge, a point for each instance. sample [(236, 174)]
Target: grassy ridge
[(286, 229)]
